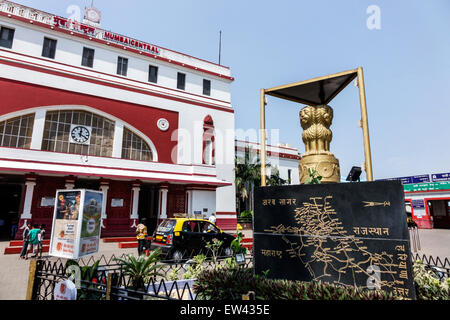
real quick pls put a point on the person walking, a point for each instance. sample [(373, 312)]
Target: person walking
[(212, 218), (141, 235), (25, 240), (41, 240), (13, 228), (33, 240)]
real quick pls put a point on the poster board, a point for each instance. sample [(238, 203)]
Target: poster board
[(76, 223)]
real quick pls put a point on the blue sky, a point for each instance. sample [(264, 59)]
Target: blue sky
[(270, 43)]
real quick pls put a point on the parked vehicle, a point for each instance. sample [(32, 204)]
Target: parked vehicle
[(182, 238)]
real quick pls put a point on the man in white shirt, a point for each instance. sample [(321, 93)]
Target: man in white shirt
[(212, 218)]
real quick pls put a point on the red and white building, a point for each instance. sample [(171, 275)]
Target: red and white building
[(82, 107), (281, 157)]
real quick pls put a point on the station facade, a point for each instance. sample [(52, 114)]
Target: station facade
[(427, 197), (85, 108)]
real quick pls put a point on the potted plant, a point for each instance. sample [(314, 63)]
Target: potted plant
[(140, 270), (89, 279)]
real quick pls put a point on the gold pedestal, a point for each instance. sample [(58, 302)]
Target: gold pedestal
[(326, 166)]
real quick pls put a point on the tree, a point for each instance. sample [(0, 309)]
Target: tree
[(274, 179), (248, 176)]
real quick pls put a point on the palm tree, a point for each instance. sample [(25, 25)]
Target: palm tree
[(248, 176)]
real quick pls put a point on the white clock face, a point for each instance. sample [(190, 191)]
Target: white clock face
[(80, 134), (163, 124), (93, 15)]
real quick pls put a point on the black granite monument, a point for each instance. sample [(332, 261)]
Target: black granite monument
[(345, 233)]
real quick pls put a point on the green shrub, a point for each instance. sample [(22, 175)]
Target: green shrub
[(236, 244), (231, 284), (428, 285), (247, 214)]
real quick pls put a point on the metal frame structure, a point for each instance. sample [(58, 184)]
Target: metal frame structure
[(326, 88)]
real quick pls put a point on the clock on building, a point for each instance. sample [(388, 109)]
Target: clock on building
[(80, 134), (163, 124), (92, 14)]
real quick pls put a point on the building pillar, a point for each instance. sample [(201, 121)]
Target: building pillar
[(104, 187), (38, 130), (118, 140), (136, 187), (70, 182), (162, 204), (26, 216), (188, 202)]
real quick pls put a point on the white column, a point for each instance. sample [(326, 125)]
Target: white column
[(134, 210), (26, 214), (118, 140), (189, 201), (104, 189), (38, 130), (70, 182), (162, 206), (69, 185)]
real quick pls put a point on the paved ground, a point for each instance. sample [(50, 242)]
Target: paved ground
[(14, 272)]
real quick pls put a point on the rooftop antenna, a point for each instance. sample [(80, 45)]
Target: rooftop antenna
[(220, 45)]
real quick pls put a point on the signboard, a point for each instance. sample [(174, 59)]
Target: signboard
[(421, 179), (116, 203), (433, 186), (440, 177), (87, 30), (76, 223), (130, 42), (47, 201), (409, 180), (418, 204), (349, 233)]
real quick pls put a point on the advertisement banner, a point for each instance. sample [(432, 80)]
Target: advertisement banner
[(76, 223), (91, 223)]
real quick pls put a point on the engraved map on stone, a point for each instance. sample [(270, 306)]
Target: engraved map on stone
[(327, 249)]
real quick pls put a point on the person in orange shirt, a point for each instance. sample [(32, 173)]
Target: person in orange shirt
[(141, 235)]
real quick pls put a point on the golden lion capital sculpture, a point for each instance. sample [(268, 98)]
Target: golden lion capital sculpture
[(317, 136)]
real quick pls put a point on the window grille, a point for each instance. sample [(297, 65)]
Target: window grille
[(57, 133), (17, 132)]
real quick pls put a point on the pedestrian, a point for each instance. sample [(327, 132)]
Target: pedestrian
[(25, 240), (33, 240), (141, 235), (212, 218), (41, 240), (13, 228)]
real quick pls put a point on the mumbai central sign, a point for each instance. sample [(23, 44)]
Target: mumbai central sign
[(130, 42), (106, 35)]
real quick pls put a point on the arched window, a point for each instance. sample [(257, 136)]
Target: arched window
[(135, 148), (17, 132), (208, 141), (78, 132)]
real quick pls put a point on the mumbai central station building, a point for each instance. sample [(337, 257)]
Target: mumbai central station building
[(86, 108)]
